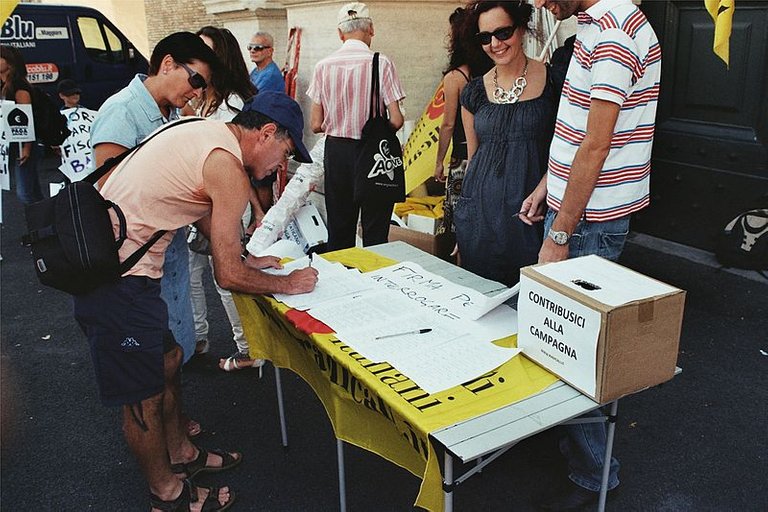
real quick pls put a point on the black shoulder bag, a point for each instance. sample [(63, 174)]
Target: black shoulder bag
[(379, 171), (70, 234)]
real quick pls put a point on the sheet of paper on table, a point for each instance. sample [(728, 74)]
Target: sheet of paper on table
[(418, 322), (334, 281), (436, 292), (382, 325)]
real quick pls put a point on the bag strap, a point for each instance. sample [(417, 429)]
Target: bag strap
[(131, 260), (113, 161), (375, 106)]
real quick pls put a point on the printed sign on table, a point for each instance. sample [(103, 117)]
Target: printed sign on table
[(76, 154), (19, 122)]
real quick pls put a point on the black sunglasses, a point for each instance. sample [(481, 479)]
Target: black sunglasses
[(257, 47), (501, 34), (195, 79)]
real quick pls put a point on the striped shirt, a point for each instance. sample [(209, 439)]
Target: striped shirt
[(341, 83), (616, 58)]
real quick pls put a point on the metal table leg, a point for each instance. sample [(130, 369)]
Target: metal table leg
[(281, 408), (608, 452), (342, 484), (448, 483)]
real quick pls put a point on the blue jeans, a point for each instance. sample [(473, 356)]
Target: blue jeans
[(175, 292), (25, 175), (584, 445)]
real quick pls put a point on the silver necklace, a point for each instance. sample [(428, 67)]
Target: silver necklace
[(512, 95)]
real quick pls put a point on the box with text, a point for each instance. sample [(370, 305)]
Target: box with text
[(605, 329)]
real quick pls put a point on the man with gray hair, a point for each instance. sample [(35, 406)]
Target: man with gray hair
[(266, 76), (341, 94)]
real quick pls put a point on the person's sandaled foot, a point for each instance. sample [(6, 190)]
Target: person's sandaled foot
[(239, 361), (214, 499), (208, 461)]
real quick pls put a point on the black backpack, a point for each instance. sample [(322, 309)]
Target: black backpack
[(744, 241), (73, 246), (50, 124)]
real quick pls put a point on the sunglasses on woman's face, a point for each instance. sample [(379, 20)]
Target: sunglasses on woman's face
[(195, 79), (501, 34)]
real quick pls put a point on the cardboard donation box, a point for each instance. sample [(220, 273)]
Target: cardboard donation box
[(606, 330)]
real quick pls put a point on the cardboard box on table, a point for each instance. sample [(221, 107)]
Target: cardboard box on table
[(440, 245), (605, 329)]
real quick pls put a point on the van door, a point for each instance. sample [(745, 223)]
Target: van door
[(106, 60)]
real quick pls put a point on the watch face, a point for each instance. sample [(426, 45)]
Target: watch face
[(559, 237)]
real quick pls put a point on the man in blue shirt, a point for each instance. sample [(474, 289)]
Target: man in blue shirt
[(266, 76)]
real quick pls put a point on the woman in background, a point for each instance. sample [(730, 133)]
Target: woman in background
[(230, 89), (508, 118), (15, 87), (466, 61)]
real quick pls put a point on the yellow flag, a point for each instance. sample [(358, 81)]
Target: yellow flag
[(420, 151), (6, 8), (722, 14)]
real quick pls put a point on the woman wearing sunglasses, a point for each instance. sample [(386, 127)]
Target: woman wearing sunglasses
[(222, 101), (508, 118), (466, 61)]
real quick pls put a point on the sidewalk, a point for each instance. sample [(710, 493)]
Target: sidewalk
[(697, 443)]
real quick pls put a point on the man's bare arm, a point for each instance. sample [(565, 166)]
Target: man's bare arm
[(103, 152), (316, 115), (227, 185)]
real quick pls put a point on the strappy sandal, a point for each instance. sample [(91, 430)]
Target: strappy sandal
[(197, 466), (188, 496), (241, 361)]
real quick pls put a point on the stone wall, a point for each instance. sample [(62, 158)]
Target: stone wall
[(167, 16)]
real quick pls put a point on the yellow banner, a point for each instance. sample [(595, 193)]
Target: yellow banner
[(6, 8), (420, 150), (722, 14), (372, 405)]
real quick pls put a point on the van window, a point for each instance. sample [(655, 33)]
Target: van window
[(108, 50), (115, 46)]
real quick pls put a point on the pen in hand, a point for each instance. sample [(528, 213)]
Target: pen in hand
[(417, 331), (310, 259)]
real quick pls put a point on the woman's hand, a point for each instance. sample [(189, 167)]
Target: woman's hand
[(535, 205), (440, 172)]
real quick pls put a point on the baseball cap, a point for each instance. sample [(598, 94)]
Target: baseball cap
[(283, 110), (353, 11), (67, 87)]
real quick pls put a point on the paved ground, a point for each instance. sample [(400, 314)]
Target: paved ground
[(698, 443)]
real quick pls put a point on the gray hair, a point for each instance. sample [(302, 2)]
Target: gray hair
[(363, 24), (265, 35)]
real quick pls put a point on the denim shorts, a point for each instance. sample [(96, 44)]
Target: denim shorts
[(605, 239), (126, 323)]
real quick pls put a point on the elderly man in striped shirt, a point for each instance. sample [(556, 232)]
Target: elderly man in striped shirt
[(599, 168), (340, 91)]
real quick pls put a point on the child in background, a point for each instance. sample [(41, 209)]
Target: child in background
[(69, 93)]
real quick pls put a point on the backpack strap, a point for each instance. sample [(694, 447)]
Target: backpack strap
[(113, 161), (131, 260)]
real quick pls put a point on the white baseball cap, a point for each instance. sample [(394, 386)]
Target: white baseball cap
[(353, 11)]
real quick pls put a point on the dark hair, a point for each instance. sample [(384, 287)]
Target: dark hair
[(520, 11), (233, 77), (184, 47), (462, 48), (252, 120), (18, 75)]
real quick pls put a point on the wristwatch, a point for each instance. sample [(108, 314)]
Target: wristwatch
[(559, 237)]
